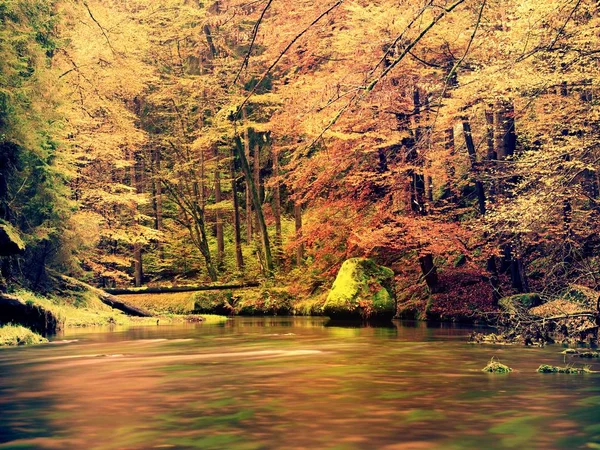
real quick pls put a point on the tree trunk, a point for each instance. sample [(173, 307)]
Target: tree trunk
[(491, 150), (239, 259), (429, 272), (277, 205), (449, 146), (138, 272), (505, 137), (157, 198), (256, 171), (266, 247), (248, 193), (418, 179), (473, 161), (256, 178), (300, 247), (218, 213)]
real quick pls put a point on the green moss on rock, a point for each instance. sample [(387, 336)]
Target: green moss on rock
[(361, 288), (545, 368)]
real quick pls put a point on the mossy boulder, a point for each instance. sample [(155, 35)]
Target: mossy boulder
[(520, 302), (361, 289)]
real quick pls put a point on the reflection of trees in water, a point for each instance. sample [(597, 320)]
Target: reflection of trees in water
[(23, 408), (287, 383)]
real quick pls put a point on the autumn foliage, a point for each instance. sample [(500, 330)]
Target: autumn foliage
[(231, 139)]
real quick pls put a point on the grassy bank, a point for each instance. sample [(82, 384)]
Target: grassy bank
[(12, 335), (79, 307)]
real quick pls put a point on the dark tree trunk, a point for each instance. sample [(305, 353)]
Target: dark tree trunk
[(277, 205), (248, 192), (266, 247), (473, 161), (300, 247), (218, 213), (239, 259), (138, 272), (418, 193), (505, 136), (429, 272), (157, 197)]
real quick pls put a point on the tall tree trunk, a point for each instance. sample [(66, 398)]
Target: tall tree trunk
[(298, 220), (505, 144), (218, 213), (248, 192), (473, 161), (489, 133), (429, 183), (239, 259), (157, 198), (256, 176), (418, 179), (200, 231), (138, 273), (449, 146), (505, 136), (277, 204), (266, 247)]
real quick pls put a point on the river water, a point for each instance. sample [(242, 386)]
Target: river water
[(290, 383)]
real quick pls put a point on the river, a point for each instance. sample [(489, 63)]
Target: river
[(290, 383)]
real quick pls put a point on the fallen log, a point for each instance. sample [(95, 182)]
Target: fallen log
[(172, 289), (121, 305), (107, 298)]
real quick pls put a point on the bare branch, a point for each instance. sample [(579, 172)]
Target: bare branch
[(252, 41)]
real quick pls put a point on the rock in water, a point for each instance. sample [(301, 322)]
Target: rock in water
[(361, 289)]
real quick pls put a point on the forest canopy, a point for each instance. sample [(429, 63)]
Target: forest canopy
[(146, 142)]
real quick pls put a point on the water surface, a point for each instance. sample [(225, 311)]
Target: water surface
[(293, 383)]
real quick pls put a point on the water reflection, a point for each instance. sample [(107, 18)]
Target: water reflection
[(290, 383)]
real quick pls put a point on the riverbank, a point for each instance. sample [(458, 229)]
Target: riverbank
[(26, 315), (13, 335), (569, 317)]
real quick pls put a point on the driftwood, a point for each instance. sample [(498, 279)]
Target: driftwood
[(171, 289)]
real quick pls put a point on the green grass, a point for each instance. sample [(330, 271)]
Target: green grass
[(80, 310), (85, 309), (171, 303), (11, 335)]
